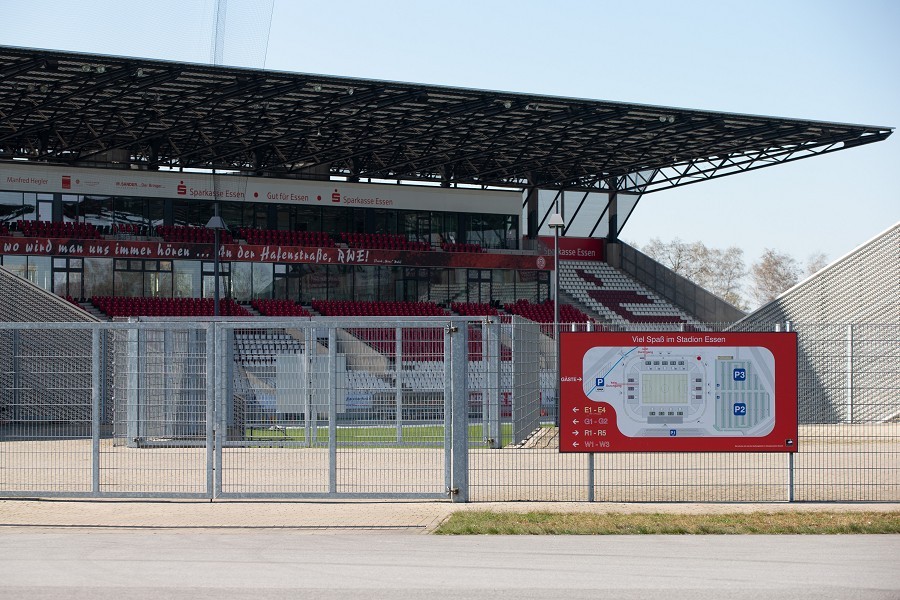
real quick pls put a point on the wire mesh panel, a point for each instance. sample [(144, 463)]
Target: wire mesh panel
[(390, 437), (45, 410), (334, 408), (850, 412), (273, 410), (160, 442), (849, 408)]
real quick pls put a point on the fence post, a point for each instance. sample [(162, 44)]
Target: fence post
[(398, 382), (490, 353), (850, 374), (16, 380), (332, 411), (95, 409), (459, 484), (590, 456), (448, 411), (132, 386), (213, 433), (787, 327), (309, 350)]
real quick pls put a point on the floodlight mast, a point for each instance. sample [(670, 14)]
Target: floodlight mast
[(217, 224), (556, 223)]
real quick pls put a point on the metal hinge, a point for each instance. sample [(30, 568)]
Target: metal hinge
[(452, 491), (451, 328)]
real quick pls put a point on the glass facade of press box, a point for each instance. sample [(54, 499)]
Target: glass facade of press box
[(244, 281)]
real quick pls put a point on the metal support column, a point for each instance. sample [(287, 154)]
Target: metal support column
[(213, 410), (398, 382), (16, 378), (491, 358), (332, 394), (850, 374), (132, 387), (590, 456), (459, 485), (95, 409), (309, 349)]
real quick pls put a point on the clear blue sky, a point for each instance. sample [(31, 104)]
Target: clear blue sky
[(814, 59)]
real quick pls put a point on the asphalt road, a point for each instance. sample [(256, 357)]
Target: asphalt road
[(261, 564)]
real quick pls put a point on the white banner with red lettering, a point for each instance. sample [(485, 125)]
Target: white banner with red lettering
[(205, 186)]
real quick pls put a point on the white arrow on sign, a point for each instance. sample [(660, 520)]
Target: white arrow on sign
[(574, 444), (575, 432), (575, 409), (574, 421)]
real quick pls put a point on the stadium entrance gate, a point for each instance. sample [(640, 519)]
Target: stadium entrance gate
[(299, 408)]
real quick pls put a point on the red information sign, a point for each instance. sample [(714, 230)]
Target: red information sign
[(678, 392)]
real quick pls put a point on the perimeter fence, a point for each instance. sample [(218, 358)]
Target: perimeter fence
[(459, 408)]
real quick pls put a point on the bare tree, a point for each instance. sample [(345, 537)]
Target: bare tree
[(772, 274), (719, 271), (816, 262)]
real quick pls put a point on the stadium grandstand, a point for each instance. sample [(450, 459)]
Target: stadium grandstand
[(337, 189), (197, 256)]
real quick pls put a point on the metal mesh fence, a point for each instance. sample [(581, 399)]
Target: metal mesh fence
[(393, 408), (337, 408), (159, 421), (45, 411)]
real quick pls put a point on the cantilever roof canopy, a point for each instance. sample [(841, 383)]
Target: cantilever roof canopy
[(71, 108)]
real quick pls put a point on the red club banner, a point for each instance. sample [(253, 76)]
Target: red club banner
[(269, 253)]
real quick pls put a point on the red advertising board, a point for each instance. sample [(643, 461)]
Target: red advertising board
[(576, 248), (678, 392)]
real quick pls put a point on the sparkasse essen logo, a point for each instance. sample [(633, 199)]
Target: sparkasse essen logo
[(335, 196), (541, 262), (67, 182), (182, 189)]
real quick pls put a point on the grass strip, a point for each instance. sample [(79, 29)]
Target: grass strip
[(548, 523)]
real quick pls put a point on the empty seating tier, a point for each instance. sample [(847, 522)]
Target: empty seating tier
[(279, 308), (265, 237), (418, 343), (340, 308), (543, 312), (191, 235), (474, 309), (616, 297), (459, 247), (382, 241), (81, 231), (124, 306)]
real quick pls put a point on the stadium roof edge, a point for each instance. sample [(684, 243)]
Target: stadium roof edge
[(449, 88), (78, 108)]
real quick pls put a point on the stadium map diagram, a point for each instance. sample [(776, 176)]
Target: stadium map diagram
[(684, 391)]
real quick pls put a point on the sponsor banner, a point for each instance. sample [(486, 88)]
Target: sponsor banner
[(205, 186), (268, 253), (576, 248), (678, 392)]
